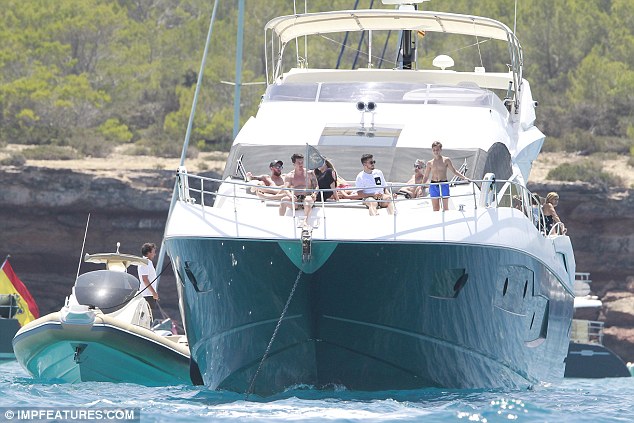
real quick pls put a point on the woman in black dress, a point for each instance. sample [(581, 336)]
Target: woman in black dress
[(327, 180)]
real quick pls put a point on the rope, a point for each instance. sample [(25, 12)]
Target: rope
[(268, 348)]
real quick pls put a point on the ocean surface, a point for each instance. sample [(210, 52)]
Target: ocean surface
[(574, 400)]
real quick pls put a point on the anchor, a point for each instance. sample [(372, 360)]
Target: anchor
[(306, 244)]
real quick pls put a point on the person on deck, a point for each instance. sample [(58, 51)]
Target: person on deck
[(327, 180), (437, 169), (411, 191), (147, 276), (275, 179), (550, 215), (373, 187), (299, 178)]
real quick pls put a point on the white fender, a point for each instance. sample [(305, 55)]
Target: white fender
[(487, 190)]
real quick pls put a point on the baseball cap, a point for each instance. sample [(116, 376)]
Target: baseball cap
[(276, 162)]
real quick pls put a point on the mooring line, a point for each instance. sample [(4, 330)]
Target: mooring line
[(268, 348)]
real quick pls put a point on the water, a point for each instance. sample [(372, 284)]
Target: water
[(574, 400)]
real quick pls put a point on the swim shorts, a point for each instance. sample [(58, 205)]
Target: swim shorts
[(435, 188)]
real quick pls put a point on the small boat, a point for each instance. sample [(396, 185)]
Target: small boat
[(587, 356), (103, 333), (17, 307)]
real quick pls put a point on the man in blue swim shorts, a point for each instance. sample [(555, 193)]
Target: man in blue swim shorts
[(435, 190), (437, 170)]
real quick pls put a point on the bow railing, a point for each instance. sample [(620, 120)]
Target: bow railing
[(484, 193)]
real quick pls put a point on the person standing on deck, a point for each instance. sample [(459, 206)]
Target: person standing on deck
[(437, 169), (147, 276)]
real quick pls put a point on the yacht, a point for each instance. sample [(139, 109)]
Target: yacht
[(473, 296)]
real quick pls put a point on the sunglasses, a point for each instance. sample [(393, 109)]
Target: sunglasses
[(369, 162), (278, 167), (418, 166)]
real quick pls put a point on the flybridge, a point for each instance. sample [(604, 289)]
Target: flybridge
[(292, 27)]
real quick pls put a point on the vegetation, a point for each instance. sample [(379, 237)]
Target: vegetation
[(585, 171), (49, 152), (93, 74)]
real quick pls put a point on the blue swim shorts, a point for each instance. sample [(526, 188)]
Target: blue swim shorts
[(434, 190)]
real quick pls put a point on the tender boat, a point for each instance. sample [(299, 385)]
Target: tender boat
[(17, 308), (475, 296), (103, 333), (587, 356)]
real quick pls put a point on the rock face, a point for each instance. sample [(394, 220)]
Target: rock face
[(43, 219), (601, 226), (44, 213)]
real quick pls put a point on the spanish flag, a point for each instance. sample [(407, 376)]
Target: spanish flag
[(11, 284)]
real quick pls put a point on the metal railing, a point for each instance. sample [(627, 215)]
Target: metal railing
[(9, 307), (487, 192), (587, 331)]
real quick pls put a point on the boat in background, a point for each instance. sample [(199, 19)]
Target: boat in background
[(475, 296), (587, 356), (17, 308), (103, 333)]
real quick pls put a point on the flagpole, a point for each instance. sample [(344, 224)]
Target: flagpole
[(5, 260)]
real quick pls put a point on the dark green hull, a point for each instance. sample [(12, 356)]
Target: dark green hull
[(370, 316)]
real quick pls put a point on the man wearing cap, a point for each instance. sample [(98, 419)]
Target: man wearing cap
[(275, 179)]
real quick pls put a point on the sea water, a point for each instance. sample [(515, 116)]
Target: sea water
[(573, 400)]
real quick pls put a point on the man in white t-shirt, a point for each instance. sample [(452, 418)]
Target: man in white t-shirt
[(373, 192), (147, 276)]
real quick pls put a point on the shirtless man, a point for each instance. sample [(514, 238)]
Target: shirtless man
[(417, 178), (437, 168), (276, 179), (296, 179)]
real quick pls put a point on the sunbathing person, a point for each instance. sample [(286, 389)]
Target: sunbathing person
[(275, 179), (411, 191), (299, 179)]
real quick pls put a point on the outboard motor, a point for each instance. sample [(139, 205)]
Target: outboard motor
[(108, 290)]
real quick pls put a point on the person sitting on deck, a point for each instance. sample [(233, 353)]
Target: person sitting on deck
[(275, 179), (411, 191), (327, 180), (550, 215), (437, 169), (299, 178), (373, 188)]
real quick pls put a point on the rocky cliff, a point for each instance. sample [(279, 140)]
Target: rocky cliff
[(44, 213)]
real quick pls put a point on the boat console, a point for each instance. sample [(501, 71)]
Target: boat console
[(108, 290)]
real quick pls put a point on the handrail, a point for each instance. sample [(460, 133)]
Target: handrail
[(506, 193), (587, 331)]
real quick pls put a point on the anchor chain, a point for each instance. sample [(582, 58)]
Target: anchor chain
[(268, 348)]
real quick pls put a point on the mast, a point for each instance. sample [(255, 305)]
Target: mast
[(161, 255), (407, 53), (238, 87)]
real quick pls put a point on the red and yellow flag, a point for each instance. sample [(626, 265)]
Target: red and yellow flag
[(11, 284)]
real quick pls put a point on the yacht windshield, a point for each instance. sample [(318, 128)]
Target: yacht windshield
[(386, 92)]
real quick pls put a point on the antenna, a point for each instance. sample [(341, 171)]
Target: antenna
[(515, 19), (82, 247)]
